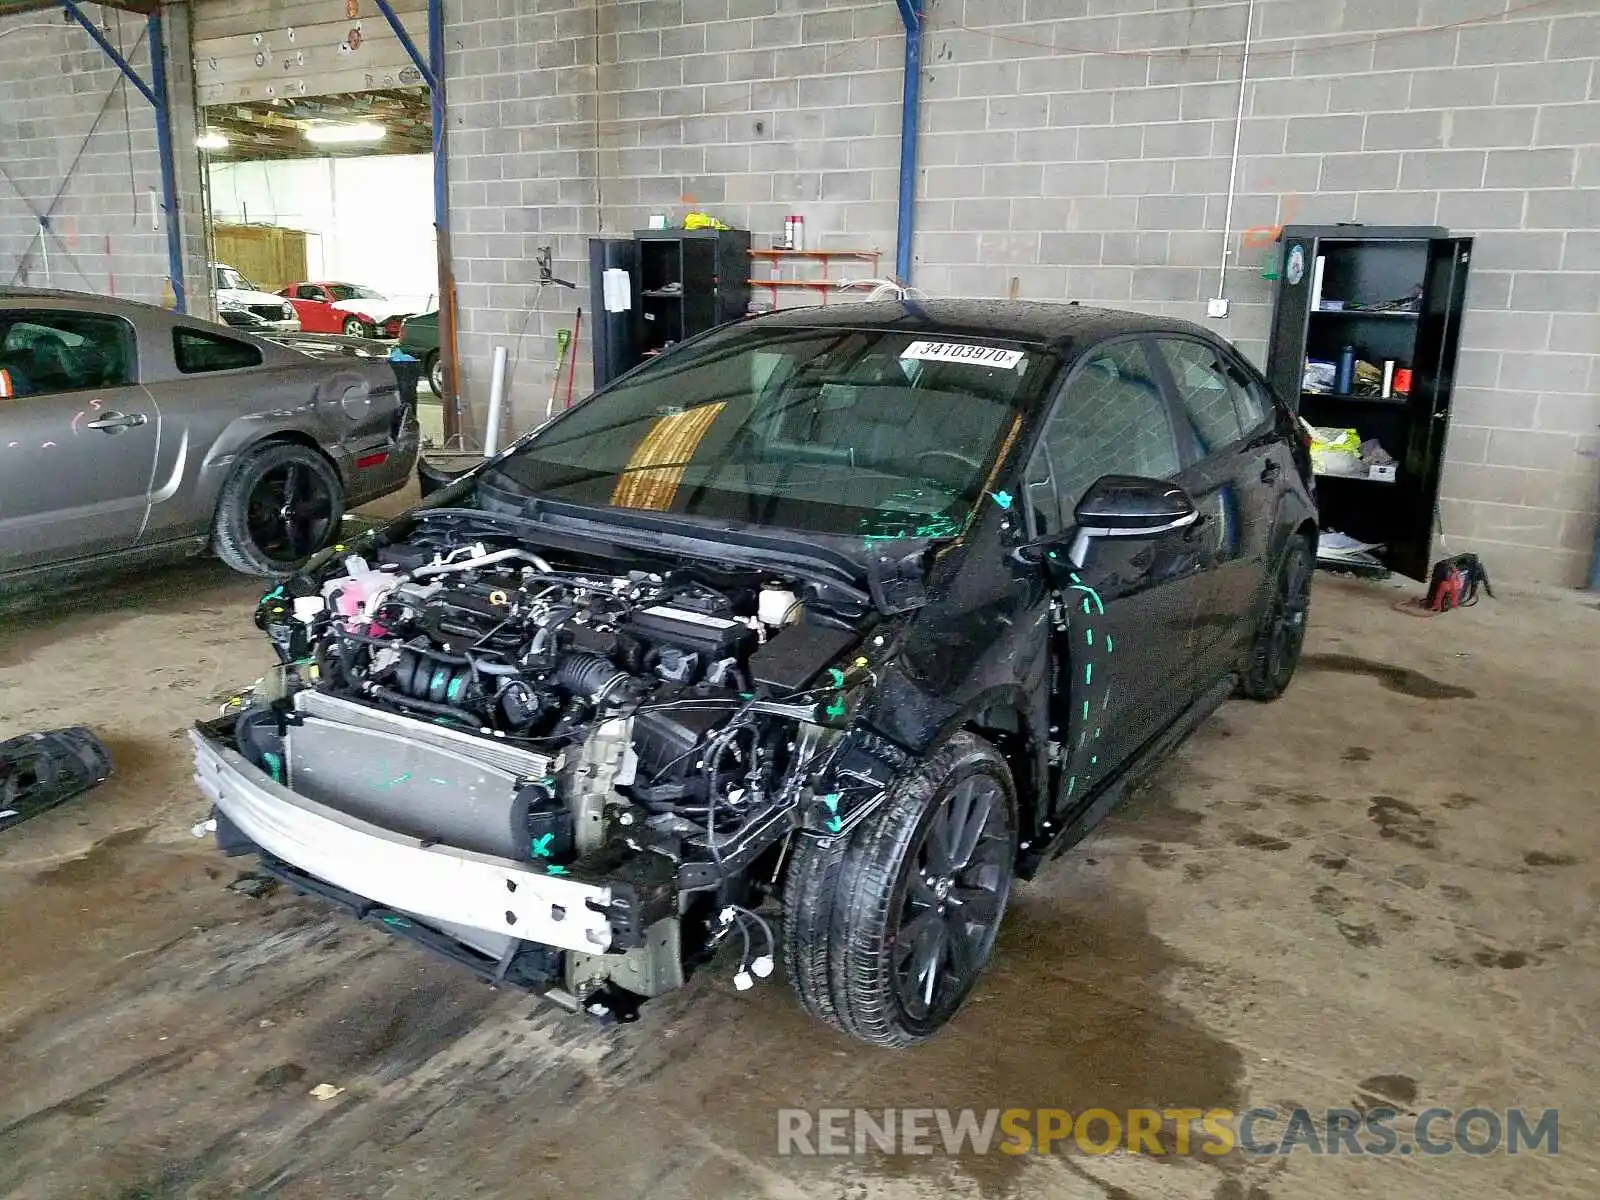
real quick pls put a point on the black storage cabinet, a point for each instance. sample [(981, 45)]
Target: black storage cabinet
[(686, 282), (614, 342), (1368, 265)]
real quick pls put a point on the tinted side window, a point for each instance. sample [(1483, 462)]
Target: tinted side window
[(306, 292), (1110, 419), (1205, 392), (196, 352), (1250, 396), (49, 352)]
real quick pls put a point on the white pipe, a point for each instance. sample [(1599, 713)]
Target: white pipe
[(497, 400), (483, 560), (20, 28), (1233, 169)]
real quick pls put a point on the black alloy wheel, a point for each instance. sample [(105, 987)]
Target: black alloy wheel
[(289, 513), (281, 505), (1282, 632), (887, 928), (952, 897)]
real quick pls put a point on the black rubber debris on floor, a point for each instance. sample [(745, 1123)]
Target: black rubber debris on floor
[(254, 885), (41, 770)]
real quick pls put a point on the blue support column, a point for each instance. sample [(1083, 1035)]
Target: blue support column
[(156, 93), (911, 14), (432, 71), (424, 67), (169, 162)]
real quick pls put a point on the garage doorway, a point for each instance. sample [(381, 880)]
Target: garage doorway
[(316, 138)]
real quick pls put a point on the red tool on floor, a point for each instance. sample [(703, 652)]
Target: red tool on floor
[(1455, 582)]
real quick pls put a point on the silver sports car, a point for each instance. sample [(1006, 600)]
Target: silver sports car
[(130, 434)]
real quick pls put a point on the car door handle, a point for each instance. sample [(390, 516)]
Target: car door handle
[(113, 421), (1271, 470)]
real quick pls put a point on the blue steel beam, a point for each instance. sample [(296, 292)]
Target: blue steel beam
[(156, 93), (169, 162), (432, 71), (911, 15), (410, 47), (110, 50)]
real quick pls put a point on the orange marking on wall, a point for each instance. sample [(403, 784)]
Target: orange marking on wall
[(1258, 237)]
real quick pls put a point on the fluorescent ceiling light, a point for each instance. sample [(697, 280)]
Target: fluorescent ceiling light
[(211, 140), (333, 135)]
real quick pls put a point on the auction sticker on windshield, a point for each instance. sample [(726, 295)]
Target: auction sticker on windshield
[(986, 356)]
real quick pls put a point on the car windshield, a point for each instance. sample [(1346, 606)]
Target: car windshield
[(349, 291), (839, 431), (227, 277)]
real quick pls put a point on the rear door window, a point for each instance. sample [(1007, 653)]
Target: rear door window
[(1251, 397), (1205, 392), (45, 353), (197, 352)]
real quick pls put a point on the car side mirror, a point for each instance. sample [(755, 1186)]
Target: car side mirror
[(1120, 506)]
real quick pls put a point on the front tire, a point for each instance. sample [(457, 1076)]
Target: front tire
[(887, 931), (433, 365), (1282, 632), (355, 327), (281, 505)]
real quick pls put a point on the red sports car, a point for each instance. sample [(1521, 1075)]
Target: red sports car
[(345, 308)]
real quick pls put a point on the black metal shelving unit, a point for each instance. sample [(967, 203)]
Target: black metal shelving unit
[(613, 343), (1363, 266), (688, 281), (681, 282)]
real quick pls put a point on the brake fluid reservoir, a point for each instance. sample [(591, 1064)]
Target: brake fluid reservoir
[(777, 606)]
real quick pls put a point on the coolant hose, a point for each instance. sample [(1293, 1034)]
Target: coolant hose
[(405, 701)]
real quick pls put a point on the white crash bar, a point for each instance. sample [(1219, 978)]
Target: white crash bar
[(451, 885)]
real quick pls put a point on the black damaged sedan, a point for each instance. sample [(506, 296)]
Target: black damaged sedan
[(814, 633)]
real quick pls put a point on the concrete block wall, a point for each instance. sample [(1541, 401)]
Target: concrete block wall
[(69, 125), (575, 118), (1086, 145), (1080, 149)]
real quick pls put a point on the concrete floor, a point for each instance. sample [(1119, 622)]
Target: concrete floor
[(1383, 885)]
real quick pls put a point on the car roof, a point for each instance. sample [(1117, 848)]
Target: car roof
[(19, 297), (1059, 326)]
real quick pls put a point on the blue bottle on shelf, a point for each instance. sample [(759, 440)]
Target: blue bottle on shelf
[(1345, 378)]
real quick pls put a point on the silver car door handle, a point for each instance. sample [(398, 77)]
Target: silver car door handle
[(113, 421)]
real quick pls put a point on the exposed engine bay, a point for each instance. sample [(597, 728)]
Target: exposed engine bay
[(656, 730)]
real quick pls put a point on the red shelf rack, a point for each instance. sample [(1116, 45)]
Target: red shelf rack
[(776, 257)]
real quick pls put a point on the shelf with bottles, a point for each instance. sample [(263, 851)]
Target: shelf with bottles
[(1380, 294), (1350, 374)]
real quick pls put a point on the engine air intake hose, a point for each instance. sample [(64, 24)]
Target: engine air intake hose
[(590, 676)]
